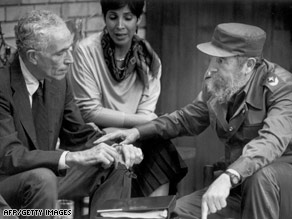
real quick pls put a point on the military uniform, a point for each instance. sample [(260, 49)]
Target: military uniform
[(256, 128)]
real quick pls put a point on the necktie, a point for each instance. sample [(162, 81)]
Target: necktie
[(40, 117)]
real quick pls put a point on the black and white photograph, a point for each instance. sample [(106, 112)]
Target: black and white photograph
[(145, 109)]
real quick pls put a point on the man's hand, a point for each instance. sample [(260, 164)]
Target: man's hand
[(99, 154), (130, 155), (106, 155), (127, 136), (215, 197)]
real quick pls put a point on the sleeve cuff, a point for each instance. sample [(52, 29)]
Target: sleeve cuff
[(234, 172), (146, 131), (62, 162)]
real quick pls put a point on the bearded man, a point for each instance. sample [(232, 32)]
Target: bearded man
[(247, 100)]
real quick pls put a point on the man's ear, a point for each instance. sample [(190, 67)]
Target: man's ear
[(32, 56), (250, 64)]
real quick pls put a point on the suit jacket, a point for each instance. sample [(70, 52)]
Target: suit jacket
[(19, 150)]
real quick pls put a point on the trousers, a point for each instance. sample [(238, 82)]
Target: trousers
[(266, 194), (4, 206), (40, 188)]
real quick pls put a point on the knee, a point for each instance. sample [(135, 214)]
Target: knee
[(43, 176), (189, 206), (41, 181), (261, 179), (162, 190)]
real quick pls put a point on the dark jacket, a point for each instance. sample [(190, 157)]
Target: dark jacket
[(259, 130), (19, 150)]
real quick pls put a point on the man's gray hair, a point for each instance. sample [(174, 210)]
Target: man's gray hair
[(242, 59), (32, 30)]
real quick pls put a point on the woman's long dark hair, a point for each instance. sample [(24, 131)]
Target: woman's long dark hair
[(135, 6)]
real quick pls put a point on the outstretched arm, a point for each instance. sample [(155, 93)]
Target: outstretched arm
[(127, 136)]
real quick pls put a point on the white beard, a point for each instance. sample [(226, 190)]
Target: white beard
[(224, 88)]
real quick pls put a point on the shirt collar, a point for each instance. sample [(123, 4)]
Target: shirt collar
[(254, 88), (31, 82)]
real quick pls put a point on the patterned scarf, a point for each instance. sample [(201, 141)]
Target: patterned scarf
[(141, 57)]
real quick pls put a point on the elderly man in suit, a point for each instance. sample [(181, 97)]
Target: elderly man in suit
[(37, 109)]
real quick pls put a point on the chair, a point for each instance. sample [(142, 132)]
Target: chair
[(212, 171), (81, 208)]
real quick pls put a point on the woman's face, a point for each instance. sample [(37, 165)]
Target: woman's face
[(121, 25)]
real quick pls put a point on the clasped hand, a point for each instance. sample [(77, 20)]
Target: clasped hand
[(106, 155), (128, 154)]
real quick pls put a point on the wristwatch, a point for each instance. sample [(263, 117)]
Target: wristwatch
[(234, 179)]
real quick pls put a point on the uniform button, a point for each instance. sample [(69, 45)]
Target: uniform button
[(230, 128), (243, 111)]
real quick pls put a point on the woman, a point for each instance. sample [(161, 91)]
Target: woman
[(116, 81)]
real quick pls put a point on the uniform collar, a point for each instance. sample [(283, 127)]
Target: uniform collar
[(255, 87)]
